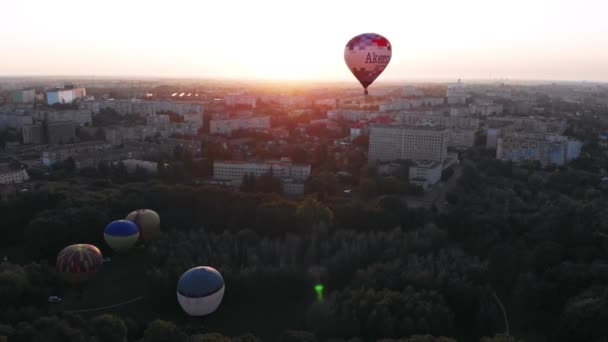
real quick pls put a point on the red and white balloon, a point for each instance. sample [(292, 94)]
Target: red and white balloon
[(367, 55)]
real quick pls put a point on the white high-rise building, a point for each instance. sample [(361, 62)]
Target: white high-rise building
[(542, 147), (389, 143)]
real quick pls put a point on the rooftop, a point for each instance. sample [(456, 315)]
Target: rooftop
[(411, 127), (427, 164)]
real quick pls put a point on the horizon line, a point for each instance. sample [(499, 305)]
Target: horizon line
[(387, 82)]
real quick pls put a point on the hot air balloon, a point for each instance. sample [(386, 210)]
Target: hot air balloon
[(148, 222), (121, 235), (200, 290), (78, 263), (367, 55)]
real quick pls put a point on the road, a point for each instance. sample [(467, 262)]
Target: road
[(439, 198)]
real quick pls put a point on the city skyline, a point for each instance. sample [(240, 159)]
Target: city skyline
[(271, 40)]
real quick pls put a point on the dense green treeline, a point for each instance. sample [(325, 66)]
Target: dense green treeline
[(528, 238)]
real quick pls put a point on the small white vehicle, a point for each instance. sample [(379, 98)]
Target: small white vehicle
[(54, 299)]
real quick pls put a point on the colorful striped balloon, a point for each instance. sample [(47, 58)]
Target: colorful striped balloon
[(78, 263)]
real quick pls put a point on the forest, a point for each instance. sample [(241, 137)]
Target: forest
[(528, 240)]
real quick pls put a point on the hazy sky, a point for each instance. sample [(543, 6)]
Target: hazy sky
[(283, 39)]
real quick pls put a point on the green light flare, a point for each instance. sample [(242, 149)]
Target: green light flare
[(319, 290)]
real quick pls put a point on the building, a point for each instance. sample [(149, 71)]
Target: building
[(461, 139), (33, 134), (574, 149), (395, 105), (530, 124), (24, 96), (78, 92), (292, 176), (158, 120), (457, 93), (541, 147), (420, 119), (282, 169), (492, 137), (119, 135), (433, 101), (459, 111), (292, 188), (393, 142), (15, 121), (350, 114), (330, 103), (425, 173), (240, 100), (358, 130), (295, 101), (10, 175), (143, 107), (412, 91), (78, 116), (226, 126), (54, 154), (60, 132), (60, 96), (196, 119), (485, 109), (498, 126), (132, 164)]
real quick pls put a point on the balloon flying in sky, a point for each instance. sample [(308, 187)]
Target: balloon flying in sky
[(367, 55)]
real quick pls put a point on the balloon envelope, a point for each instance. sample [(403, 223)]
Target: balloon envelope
[(367, 55), (200, 290), (121, 235), (148, 222), (78, 263)]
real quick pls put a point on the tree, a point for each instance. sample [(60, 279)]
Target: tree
[(447, 174), (268, 183), (248, 184), (104, 169), (314, 213), (299, 155), (500, 338), (324, 183), (109, 328), (362, 141), (140, 174), (367, 188), (210, 337), (100, 134), (70, 165), (163, 331), (297, 336)]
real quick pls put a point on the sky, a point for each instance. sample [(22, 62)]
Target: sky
[(304, 40)]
